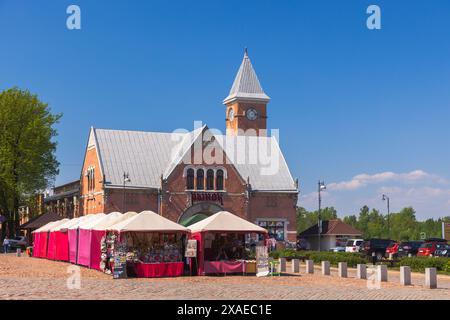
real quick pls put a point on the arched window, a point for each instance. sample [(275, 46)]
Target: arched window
[(200, 179), (210, 179), (190, 179), (219, 180)]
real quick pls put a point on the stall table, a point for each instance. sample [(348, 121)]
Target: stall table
[(158, 270), (224, 267)]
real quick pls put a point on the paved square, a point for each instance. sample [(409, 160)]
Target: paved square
[(30, 278)]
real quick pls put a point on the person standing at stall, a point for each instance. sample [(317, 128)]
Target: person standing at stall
[(6, 245)]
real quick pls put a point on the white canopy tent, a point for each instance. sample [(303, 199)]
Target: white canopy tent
[(225, 221)]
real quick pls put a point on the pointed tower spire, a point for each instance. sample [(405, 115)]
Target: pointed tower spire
[(246, 85)]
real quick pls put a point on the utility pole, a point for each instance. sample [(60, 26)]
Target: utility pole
[(386, 198), (126, 178), (321, 187)]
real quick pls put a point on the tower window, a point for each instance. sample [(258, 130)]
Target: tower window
[(200, 179), (190, 179), (210, 179), (219, 179)]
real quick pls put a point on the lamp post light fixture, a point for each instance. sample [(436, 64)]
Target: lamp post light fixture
[(386, 198), (321, 187), (126, 178)]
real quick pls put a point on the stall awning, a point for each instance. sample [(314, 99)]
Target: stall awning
[(226, 222), (148, 221)]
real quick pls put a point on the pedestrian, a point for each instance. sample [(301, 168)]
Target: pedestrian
[(5, 245)]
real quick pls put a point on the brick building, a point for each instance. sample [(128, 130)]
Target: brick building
[(64, 200), (186, 176)]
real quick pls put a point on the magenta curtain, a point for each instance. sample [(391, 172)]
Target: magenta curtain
[(96, 252), (84, 247), (36, 251), (73, 245), (51, 247), (62, 246), (43, 237)]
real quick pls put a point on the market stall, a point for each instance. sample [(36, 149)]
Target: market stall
[(51, 248), (41, 237), (72, 233), (221, 243), (148, 245), (98, 232), (62, 239), (84, 244)]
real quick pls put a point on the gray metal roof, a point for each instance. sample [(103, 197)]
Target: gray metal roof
[(246, 84), (148, 155)]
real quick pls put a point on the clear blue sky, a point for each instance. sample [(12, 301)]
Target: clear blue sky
[(347, 100)]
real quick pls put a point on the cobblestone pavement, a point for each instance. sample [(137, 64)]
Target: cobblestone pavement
[(29, 278)]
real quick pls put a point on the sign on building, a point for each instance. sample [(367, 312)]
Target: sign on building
[(262, 261)]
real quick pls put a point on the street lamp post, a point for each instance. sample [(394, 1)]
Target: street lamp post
[(386, 198), (321, 187), (126, 178)]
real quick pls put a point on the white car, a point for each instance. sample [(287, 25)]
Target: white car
[(354, 245), (18, 242)]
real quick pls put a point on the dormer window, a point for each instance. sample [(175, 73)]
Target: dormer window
[(219, 180), (190, 179), (200, 179), (210, 179)]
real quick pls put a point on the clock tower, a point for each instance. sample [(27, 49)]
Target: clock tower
[(246, 105)]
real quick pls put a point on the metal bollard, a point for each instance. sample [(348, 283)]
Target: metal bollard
[(361, 271), (342, 269), (295, 265), (405, 276), (282, 264), (430, 278), (325, 268), (382, 273), (309, 266)]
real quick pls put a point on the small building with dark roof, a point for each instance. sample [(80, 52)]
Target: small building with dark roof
[(334, 233)]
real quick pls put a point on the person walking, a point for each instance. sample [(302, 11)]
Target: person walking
[(5, 245)]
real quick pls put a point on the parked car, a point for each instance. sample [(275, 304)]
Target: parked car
[(428, 248), (354, 245), (377, 247), (392, 250), (338, 249), (19, 242), (407, 248), (442, 250)]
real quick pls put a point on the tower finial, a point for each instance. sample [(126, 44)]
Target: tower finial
[(245, 52)]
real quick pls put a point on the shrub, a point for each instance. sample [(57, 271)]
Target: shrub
[(334, 258), (420, 263)]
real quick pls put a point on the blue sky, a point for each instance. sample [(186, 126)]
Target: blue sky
[(349, 102)]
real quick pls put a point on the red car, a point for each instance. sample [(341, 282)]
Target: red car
[(392, 249), (428, 248)]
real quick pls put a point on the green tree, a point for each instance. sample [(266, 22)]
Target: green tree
[(27, 151)]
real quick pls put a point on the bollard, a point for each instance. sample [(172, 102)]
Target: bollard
[(309, 266), (295, 265), (382, 273), (19, 252), (342, 269), (282, 264), (325, 268), (405, 276), (430, 278), (361, 271)]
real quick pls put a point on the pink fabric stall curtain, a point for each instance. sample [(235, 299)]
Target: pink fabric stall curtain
[(73, 245), (84, 247), (43, 244), (51, 250), (62, 246), (36, 251), (96, 252)]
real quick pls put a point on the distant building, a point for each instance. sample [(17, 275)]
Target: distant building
[(64, 200), (334, 234)]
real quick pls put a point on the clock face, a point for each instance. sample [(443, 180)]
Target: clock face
[(231, 114), (251, 114)]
